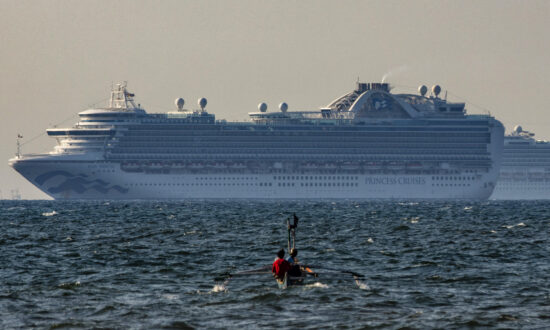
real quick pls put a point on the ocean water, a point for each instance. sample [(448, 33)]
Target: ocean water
[(155, 264)]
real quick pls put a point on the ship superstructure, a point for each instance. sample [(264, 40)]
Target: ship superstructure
[(369, 143), (525, 169)]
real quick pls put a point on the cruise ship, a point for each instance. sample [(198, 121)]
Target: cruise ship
[(525, 169), (367, 144)]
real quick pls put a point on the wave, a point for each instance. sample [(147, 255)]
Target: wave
[(50, 214)]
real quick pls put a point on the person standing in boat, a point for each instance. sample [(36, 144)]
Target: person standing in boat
[(280, 266)]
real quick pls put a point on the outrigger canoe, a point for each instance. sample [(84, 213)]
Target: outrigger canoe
[(290, 281)]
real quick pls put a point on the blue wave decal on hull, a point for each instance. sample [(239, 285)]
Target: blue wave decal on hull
[(41, 179), (77, 184)]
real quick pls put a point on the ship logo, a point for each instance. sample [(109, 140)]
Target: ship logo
[(77, 183)]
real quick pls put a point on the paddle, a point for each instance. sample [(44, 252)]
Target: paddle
[(258, 271), (309, 271), (344, 271)]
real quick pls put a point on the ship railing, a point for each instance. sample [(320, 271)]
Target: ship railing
[(479, 115), (35, 155)]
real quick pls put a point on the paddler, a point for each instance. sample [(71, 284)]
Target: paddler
[(293, 257), (280, 266), (294, 266)]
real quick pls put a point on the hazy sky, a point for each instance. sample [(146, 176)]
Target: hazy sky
[(60, 57)]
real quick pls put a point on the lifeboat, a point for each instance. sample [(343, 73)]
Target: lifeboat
[(330, 166), (196, 165), (311, 166), (238, 166), (350, 166)]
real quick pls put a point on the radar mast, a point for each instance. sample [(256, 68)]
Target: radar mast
[(121, 98)]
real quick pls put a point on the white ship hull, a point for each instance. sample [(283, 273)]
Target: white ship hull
[(521, 191), (106, 181), (523, 184), (525, 169)]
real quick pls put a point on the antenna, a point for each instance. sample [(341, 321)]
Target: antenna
[(19, 137), (292, 230)]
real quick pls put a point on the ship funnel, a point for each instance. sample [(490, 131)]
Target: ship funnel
[(283, 106)]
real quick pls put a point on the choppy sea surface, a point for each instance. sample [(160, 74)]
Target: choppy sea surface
[(155, 264)]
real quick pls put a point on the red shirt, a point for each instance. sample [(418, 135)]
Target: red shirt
[(280, 267)]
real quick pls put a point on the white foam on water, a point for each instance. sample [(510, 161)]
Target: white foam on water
[(169, 296), (317, 285), (16, 208), (362, 285), (220, 287), (468, 208), (68, 285), (370, 240), (411, 220), (417, 313), (521, 224), (49, 214)]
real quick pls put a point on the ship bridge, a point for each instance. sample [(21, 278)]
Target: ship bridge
[(121, 108)]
